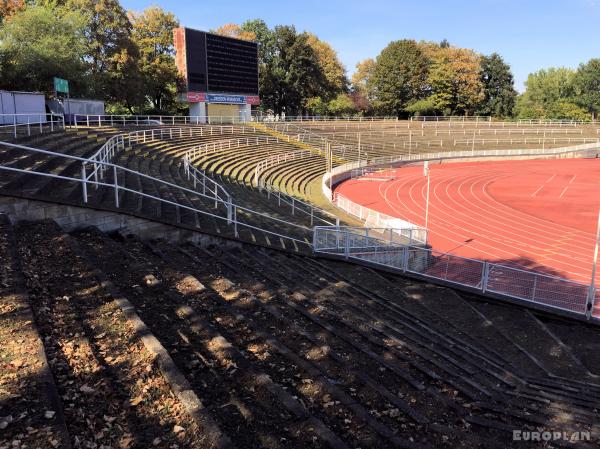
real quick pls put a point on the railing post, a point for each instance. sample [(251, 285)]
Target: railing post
[(484, 276), (589, 306), (83, 181), (347, 245), (235, 230), (116, 186), (405, 250)]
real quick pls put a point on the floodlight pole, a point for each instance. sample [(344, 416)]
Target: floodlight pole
[(359, 149), (592, 292)]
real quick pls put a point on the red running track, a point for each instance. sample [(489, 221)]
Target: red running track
[(537, 214)]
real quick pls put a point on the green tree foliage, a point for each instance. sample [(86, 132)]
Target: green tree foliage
[(399, 77), (341, 105), (499, 94), (587, 86), (153, 35), (263, 35), (110, 52), (290, 73), (39, 43), (550, 93)]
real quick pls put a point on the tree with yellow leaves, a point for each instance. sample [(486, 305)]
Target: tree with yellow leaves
[(454, 80), (235, 31), (333, 69)]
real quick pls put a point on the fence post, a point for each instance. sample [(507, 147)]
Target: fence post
[(405, 250), (84, 185), (589, 306), (347, 244), (484, 276), (235, 230), (116, 186)]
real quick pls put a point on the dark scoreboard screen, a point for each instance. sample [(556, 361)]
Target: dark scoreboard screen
[(213, 63)]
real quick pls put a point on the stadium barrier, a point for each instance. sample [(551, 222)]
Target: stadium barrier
[(370, 245), (26, 124), (526, 141), (95, 171)]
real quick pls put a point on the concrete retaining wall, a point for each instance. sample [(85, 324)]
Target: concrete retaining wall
[(71, 218)]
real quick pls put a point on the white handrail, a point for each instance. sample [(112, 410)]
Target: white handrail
[(24, 120), (85, 180)]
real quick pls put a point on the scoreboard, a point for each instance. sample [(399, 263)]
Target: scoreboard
[(212, 63)]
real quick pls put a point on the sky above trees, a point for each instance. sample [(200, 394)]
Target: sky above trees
[(528, 34)]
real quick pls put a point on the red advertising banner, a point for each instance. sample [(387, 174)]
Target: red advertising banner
[(196, 97)]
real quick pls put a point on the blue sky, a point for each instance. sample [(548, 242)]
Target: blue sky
[(529, 34)]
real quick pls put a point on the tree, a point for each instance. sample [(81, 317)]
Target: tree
[(263, 36), (499, 94), (235, 31), (332, 68), (360, 78), (454, 80), (291, 74), (39, 43), (341, 105), (8, 8), (587, 86), (399, 77), (153, 35), (110, 52), (544, 89)]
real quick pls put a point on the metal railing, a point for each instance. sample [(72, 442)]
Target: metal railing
[(28, 124), (100, 120), (114, 180), (277, 159), (375, 219), (509, 131), (370, 245), (205, 149), (207, 185), (526, 141), (296, 206)]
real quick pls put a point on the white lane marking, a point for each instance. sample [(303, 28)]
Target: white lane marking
[(536, 192), (542, 186), (566, 187)]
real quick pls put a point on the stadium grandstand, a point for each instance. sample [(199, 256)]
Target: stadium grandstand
[(228, 280)]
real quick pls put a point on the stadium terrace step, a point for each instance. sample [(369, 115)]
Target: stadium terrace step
[(29, 397), (281, 349), (111, 388), (161, 162)]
